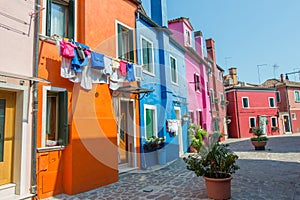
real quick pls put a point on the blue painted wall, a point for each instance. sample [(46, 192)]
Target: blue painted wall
[(166, 94)]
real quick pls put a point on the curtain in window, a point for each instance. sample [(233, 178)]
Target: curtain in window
[(149, 123), (58, 19)]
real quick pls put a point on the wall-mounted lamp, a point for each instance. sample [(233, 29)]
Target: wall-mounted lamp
[(22, 82), (185, 117)]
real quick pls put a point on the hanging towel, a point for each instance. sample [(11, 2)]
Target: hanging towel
[(65, 68), (114, 83), (108, 63), (115, 64), (123, 68), (130, 72), (97, 60)]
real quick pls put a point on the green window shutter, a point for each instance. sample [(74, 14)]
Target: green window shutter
[(131, 50), (63, 132), (149, 123), (120, 46), (48, 18), (145, 55), (71, 19)]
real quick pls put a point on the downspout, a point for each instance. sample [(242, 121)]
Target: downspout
[(288, 107), (237, 113), (35, 98)]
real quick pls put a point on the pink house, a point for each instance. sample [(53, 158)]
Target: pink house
[(196, 71), (288, 103)]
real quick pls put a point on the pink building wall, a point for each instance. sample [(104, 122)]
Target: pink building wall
[(198, 101)]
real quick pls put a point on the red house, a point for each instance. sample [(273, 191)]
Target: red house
[(288, 102), (250, 106)]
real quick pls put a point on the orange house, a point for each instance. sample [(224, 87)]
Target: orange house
[(85, 137)]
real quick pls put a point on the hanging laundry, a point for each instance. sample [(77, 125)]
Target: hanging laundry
[(130, 72), (172, 126), (114, 83), (108, 63), (65, 68), (86, 79), (115, 64), (67, 49), (123, 67), (76, 78), (138, 72), (99, 76), (97, 60)]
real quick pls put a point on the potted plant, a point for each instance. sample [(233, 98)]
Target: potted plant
[(259, 141), (155, 145), (215, 162), (196, 136)]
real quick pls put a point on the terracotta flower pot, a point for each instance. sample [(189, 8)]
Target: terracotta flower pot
[(218, 188), (259, 145)]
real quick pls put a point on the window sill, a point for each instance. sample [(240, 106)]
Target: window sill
[(47, 39), (48, 149), (173, 83), (148, 73)]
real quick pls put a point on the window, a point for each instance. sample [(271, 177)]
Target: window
[(252, 121), (220, 75), (174, 75), (197, 82), (147, 56), (55, 117), (273, 121), (277, 96), (150, 121), (191, 114), (271, 102), (216, 124), (211, 96), (125, 43), (294, 116), (297, 96), (60, 18), (199, 116), (187, 38), (245, 102)]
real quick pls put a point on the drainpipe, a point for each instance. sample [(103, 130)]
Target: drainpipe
[(288, 107), (35, 98), (237, 113)]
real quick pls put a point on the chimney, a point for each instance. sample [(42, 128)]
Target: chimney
[(159, 12), (198, 42), (210, 48), (281, 78), (233, 73)]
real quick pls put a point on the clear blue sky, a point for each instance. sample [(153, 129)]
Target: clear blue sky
[(247, 32)]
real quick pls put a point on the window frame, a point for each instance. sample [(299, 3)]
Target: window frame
[(276, 123), (188, 39), (70, 22), (197, 82), (247, 102), (294, 116), (130, 52), (150, 107), (250, 118), (191, 115), (297, 99), (272, 98), (152, 56), (176, 70), (57, 90), (212, 96), (278, 98)]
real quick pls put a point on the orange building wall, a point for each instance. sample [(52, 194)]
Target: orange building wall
[(91, 159)]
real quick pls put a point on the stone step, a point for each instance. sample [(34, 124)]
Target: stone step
[(7, 191)]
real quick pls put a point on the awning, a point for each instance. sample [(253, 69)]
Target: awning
[(22, 77), (134, 90)]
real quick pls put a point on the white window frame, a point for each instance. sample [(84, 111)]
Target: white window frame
[(188, 40), (44, 20), (152, 49), (297, 91), (116, 32), (276, 123), (273, 102), (294, 116), (44, 110), (197, 84), (243, 102), (250, 121), (150, 107), (176, 70)]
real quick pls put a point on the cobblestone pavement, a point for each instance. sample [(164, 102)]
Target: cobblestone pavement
[(271, 174)]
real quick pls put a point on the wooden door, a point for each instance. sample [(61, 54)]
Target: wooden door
[(7, 133)]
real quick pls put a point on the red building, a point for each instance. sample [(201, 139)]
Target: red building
[(250, 106), (216, 91), (288, 102)]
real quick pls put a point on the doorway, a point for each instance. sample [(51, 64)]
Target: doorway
[(7, 134), (126, 134), (178, 117), (286, 124)]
